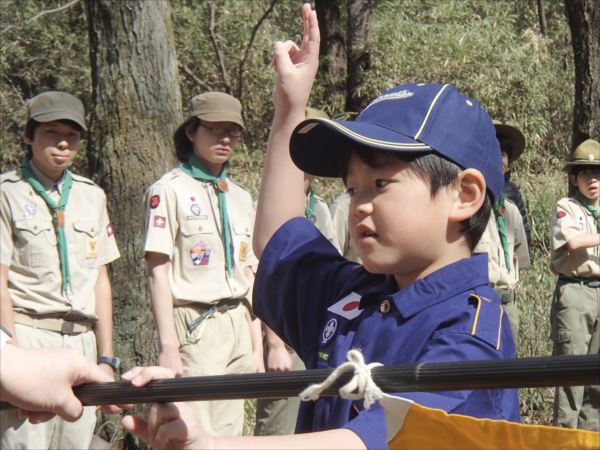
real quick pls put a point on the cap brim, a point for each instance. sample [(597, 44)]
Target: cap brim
[(318, 146), (580, 162), (515, 137), (221, 116), (59, 115)]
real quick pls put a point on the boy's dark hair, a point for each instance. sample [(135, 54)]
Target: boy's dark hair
[(439, 173), (506, 146), (33, 125), (183, 146)]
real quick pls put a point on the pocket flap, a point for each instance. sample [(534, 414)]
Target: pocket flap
[(91, 229), (34, 226), (241, 228), (192, 227)]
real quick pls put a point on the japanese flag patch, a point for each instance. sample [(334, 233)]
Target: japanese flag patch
[(348, 307)]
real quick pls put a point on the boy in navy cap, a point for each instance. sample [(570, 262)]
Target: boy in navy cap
[(422, 165)]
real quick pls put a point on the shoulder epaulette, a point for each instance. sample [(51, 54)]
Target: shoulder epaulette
[(487, 322)]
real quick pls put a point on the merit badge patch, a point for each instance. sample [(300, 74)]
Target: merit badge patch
[(30, 209), (200, 254), (109, 230), (329, 330), (154, 201), (159, 222), (91, 249), (195, 209), (560, 214), (348, 307), (243, 251)]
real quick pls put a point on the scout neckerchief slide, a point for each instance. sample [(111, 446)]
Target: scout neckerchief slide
[(499, 211), (410, 425), (587, 205), (195, 169), (58, 218)]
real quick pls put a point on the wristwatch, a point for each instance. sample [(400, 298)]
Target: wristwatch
[(112, 361)]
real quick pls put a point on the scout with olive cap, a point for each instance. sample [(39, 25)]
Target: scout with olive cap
[(56, 240), (575, 257), (199, 258), (505, 237)]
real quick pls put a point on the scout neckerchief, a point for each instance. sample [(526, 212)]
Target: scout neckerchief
[(195, 169), (58, 218), (588, 205), (499, 213), (309, 210)]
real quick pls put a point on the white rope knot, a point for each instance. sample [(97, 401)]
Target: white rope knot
[(360, 386)]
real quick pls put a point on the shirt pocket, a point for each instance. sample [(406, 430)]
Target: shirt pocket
[(200, 243), (36, 242), (86, 243)]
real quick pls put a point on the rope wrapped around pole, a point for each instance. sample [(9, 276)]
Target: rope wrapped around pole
[(497, 374)]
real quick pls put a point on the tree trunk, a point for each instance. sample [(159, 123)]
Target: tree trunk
[(359, 59), (137, 105), (333, 52), (584, 17)]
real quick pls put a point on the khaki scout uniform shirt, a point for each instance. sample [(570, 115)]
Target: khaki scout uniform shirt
[(28, 244), (183, 222), (339, 213), (323, 220), (500, 276), (570, 219)]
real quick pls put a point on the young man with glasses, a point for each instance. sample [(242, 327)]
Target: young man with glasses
[(199, 258)]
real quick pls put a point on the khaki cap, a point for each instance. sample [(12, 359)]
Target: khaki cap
[(586, 154), (314, 113), (54, 105), (515, 137), (212, 107)]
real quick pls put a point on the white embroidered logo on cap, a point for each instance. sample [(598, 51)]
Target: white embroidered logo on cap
[(348, 307), (404, 93)]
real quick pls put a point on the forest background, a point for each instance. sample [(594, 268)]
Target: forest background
[(502, 53)]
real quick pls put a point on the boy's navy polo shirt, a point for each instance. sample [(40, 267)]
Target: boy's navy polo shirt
[(450, 315)]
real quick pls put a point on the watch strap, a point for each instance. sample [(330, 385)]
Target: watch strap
[(112, 361)]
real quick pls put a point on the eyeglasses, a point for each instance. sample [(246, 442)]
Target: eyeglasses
[(220, 131)]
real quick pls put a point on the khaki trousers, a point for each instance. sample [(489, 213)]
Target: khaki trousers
[(221, 345), (575, 331), (278, 416), (56, 433)]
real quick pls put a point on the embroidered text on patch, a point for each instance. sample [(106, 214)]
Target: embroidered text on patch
[(404, 93)]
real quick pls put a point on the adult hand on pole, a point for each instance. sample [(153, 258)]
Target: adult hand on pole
[(40, 381), (169, 425)]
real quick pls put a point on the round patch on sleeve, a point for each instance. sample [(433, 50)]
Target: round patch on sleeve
[(560, 214), (154, 201)]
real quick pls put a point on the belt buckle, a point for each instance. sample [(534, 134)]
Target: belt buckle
[(67, 327), (594, 284)]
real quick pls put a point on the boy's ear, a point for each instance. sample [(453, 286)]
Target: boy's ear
[(189, 133), (470, 195), (573, 180), (26, 139)]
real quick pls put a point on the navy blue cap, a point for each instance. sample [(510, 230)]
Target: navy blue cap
[(410, 118)]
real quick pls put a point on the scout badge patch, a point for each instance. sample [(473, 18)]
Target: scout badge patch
[(159, 221), (348, 307), (243, 251), (91, 248), (329, 330), (154, 201), (200, 254)]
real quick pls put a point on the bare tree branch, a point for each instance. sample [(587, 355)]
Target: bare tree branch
[(218, 52), (249, 46), (186, 70), (41, 14)]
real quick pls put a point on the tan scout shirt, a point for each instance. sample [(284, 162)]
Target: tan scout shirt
[(29, 245), (500, 276), (183, 222), (570, 218), (323, 221), (339, 213)]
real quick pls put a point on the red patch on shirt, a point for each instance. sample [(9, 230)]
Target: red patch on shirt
[(109, 230), (560, 214), (154, 201), (350, 306)]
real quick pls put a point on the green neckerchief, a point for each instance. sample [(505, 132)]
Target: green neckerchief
[(499, 213), (309, 211), (588, 205), (58, 218), (195, 169)]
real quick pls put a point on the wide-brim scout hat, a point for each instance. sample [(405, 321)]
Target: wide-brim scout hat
[(409, 118), (212, 107), (514, 136), (586, 154), (54, 105)]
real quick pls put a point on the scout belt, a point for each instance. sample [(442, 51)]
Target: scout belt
[(222, 306), (590, 282), (63, 324)]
